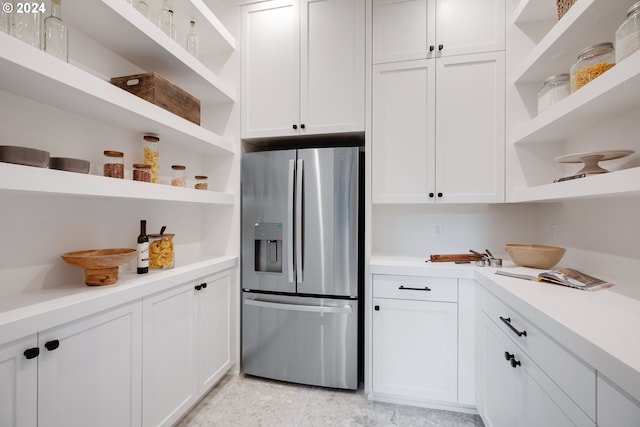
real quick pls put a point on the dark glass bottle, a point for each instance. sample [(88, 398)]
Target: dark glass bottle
[(143, 248)]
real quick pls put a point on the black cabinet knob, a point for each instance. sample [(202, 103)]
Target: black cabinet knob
[(302, 126), (52, 345), (439, 194), (197, 287), (431, 48), (204, 285), (508, 356), (515, 363), (295, 127), (376, 308), (431, 195), (440, 46), (31, 353)]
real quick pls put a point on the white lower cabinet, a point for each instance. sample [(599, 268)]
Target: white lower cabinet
[(19, 382), (186, 346), (415, 339), (516, 385), (616, 408)]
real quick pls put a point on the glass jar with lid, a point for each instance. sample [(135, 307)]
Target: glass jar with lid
[(141, 172), (152, 155), (113, 164), (628, 34), (201, 182), (161, 251), (592, 62), (179, 176), (555, 88)]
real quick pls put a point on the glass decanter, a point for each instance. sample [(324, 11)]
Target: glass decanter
[(192, 40), (55, 33)]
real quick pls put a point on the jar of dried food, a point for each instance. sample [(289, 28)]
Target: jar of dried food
[(152, 155), (201, 183), (142, 172), (113, 164), (628, 34), (179, 176), (161, 253), (592, 62), (555, 88)]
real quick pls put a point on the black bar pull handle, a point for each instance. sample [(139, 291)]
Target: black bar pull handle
[(31, 353), (52, 345), (402, 288), (507, 321)]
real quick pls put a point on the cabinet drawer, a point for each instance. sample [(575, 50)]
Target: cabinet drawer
[(416, 288), (574, 377)]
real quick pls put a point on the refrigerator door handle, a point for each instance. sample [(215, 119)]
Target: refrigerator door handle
[(290, 192), (297, 307), (298, 220)]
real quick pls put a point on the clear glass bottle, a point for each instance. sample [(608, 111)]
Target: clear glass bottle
[(192, 40), (165, 19), (173, 33), (143, 8), (55, 33), (628, 34), (179, 176), (592, 62), (152, 156), (5, 22), (554, 89), (26, 26), (201, 182), (114, 164)]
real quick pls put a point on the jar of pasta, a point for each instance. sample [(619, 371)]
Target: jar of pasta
[(592, 62), (152, 155), (179, 176), (113, 164), (201, 183), (161, 253)]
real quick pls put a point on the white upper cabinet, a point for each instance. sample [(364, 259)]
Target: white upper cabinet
[(303, 67), (417, 29)]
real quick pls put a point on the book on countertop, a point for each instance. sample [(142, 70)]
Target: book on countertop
[(565, 277)]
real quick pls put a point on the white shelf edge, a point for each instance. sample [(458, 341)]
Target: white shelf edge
[(28, 179), (215, 23), (534, 11), (125, 31), (614, 92), (619, 183), (31, 73)]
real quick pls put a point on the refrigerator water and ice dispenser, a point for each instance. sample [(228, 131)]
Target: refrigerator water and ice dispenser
[(268, 247)]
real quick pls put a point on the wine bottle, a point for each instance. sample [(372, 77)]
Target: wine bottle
[(143, 248)]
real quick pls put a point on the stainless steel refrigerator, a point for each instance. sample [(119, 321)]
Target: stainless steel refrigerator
[(300, 260)]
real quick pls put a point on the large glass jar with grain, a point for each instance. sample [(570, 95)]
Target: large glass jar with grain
[(628, 34), (592, 63)]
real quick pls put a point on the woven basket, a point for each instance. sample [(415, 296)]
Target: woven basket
[(564, 6)]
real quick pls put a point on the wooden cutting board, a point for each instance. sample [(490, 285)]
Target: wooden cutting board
[(454, 257)]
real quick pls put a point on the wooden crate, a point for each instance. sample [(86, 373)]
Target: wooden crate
[(156, 89)]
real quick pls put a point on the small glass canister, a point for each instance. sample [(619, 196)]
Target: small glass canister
[(179, 176), (554, 89), (113, 164), (592, 62), (152, 156), (201, 182), (142, 172), (628, 34), (161, 253)]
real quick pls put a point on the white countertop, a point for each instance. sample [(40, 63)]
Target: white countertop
[(32, 312), (601, 327)]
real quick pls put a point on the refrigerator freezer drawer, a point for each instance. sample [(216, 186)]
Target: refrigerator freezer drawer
[(303, 340)]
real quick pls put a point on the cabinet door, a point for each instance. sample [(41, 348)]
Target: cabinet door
[(402, 29), (470, 128), (415, 349), (214, 330), (616, 408), (332, 68), (464, 26), (169, 356), (18, 384), (270, 69), (89, 371), (403, 140)]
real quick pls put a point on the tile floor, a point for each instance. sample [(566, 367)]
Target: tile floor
[(249, 401)]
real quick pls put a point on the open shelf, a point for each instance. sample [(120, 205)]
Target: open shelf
[(26, 179), (534, 11), (609, 96), (123, 30), (588, 22), (618, 183), (33, 74)]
